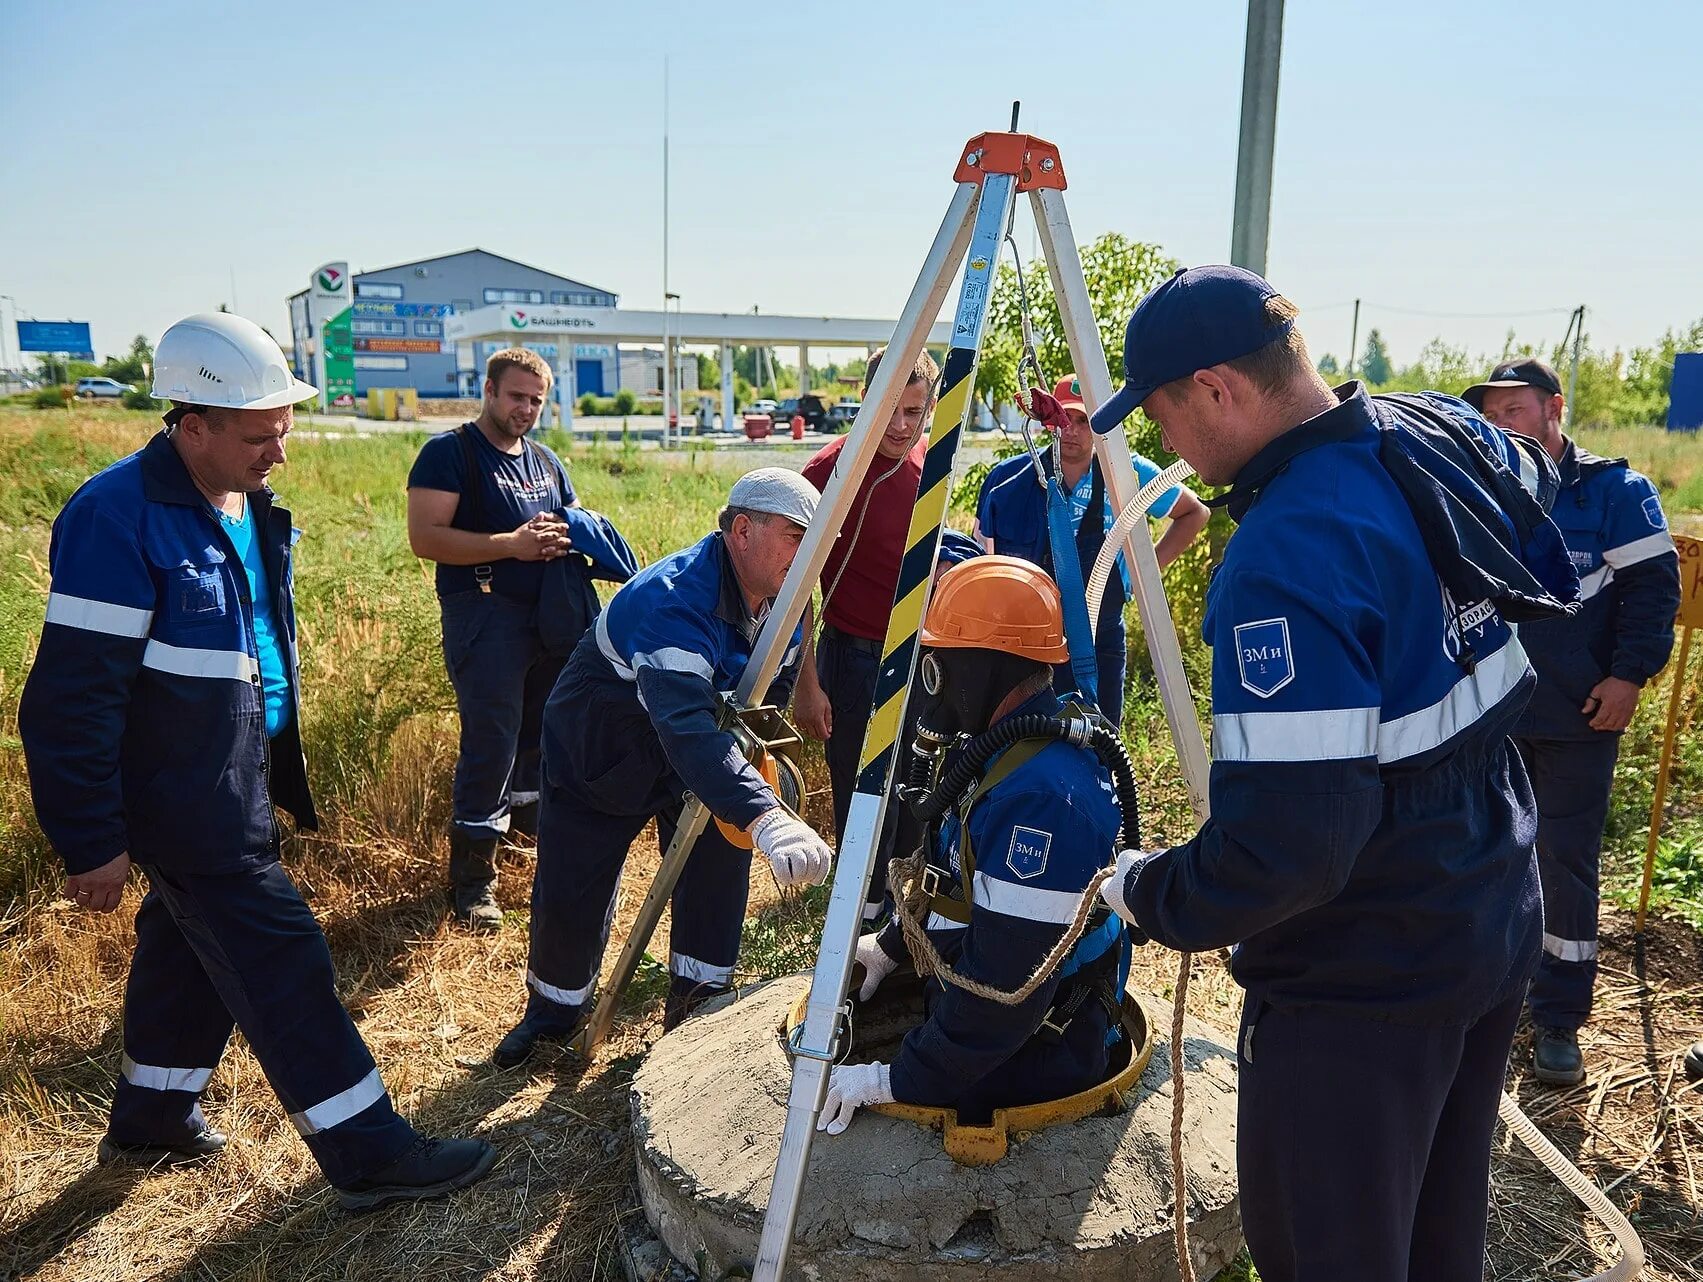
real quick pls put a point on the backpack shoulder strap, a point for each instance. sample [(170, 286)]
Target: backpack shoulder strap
[(472, 493)]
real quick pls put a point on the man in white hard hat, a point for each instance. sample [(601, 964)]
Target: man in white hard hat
[(635, 722), (161, 726)]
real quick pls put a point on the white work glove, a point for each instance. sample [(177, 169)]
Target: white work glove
[(850, 1087), (796, 853), (1113, 890), (877, 965)]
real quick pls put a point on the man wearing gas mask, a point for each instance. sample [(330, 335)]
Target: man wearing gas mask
[(1019, 816)]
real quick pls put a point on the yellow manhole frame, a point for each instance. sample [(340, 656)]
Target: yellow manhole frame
[(983, 1145)]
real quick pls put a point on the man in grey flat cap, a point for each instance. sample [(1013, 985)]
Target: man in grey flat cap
[(632, 724)]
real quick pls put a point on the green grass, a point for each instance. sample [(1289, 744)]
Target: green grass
[(370, 626)]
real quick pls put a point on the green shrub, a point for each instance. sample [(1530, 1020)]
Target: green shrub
[(48, 398), (586, 405), (625, 401), (140, 400)]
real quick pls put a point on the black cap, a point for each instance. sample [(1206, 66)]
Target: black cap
[(1530, 372)]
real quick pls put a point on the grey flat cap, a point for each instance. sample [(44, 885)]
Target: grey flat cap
[(778, 491)]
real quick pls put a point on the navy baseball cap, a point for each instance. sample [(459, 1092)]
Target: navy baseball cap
[(1201, 317), (1526, 373)]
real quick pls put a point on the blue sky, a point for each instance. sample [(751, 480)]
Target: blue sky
[(1485, 159)]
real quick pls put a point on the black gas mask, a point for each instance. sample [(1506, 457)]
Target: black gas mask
[(963, 687)]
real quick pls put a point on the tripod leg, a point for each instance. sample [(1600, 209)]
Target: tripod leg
[(815, 1046), (693, 816), (1070, 288)]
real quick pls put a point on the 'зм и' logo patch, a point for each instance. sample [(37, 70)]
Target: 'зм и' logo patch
[(1653, 513), (1027, 856), (1262, 656)]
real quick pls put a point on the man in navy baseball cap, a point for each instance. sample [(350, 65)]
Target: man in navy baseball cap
[(1206, 354)]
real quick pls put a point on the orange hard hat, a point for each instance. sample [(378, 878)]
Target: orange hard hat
[(998, 603)]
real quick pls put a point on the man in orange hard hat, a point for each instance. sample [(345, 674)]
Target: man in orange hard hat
[(1013, 856)]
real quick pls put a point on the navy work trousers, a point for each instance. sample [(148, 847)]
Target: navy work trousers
[(1571, 779), (1363, 1145), (243, 948), (582, 847), (1110, 665), (502, 677), (847, 668)]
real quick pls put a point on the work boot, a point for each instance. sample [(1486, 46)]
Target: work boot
[(430, 1168), (537, 1026), (1555, 1057), (1694, 1062), (472, 880), (209, 1143)]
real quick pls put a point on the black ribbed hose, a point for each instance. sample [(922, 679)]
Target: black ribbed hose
[(972, 760)]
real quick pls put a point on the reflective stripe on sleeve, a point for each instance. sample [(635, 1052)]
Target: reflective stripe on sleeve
[(341, 1106), (1653, 545), (98, 616), (1569, 950), (1030, 902), (153, 1078), (674, 659), (1469, 699), (1330, 734), (185, 661)]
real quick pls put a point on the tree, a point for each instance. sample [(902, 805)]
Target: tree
[(1328, 368), (1119, 271), (1375, 365), (709, 371)]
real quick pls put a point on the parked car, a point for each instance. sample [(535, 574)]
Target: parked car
[(102, 387), (841, 416), (764, 406), (814, 409)]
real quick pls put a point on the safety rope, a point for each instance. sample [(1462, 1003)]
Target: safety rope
[(904, 879)]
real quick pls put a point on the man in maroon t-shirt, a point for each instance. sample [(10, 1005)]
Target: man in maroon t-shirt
[(836, 684)]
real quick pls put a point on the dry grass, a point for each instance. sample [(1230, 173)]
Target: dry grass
[(432, 1001)]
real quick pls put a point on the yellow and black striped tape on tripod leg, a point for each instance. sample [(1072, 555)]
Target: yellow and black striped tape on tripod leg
[(915, 570)]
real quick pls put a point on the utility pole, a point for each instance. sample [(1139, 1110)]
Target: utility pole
[(1573, 377), (1353, 339), (667, 373), (1251, 229)]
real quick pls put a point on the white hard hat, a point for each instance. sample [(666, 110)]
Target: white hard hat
[(216, 358)]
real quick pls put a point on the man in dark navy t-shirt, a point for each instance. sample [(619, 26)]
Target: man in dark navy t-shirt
[(491, 527)]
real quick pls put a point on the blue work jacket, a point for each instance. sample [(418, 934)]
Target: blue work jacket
[(1617, 537), (143, 719), (1372, 838), (646, 682)]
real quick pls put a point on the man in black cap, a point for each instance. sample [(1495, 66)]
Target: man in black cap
[(1590, 669)]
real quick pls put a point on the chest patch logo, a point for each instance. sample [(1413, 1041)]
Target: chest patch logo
[(1027, 855), (1263, 657), (1653, 513)]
